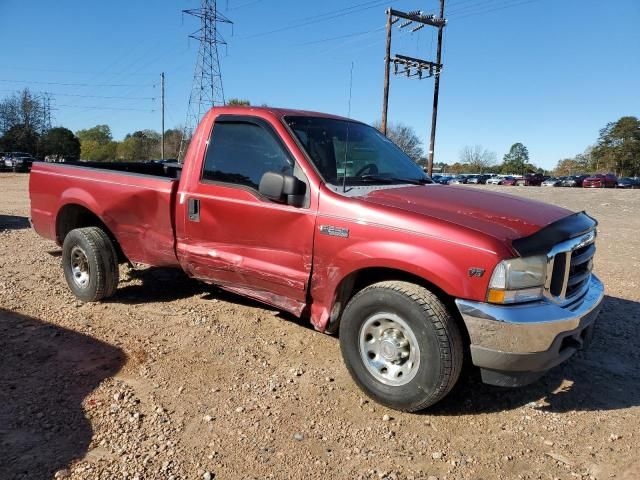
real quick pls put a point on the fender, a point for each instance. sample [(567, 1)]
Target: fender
[(443, 267), (82, 198)]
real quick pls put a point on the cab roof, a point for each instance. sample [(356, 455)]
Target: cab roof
[(278, 112)]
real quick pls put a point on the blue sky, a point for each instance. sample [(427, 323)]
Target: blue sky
[(548, 73)]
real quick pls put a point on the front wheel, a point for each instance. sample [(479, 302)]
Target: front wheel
[(90, 264), (401, 345)]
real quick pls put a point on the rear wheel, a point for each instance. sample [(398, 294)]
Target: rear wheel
[(401, 345), (90, 264)]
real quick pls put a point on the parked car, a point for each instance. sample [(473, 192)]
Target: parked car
[(411, 273), (574, 180), (628, 182), (601, 181), (497, 180), (479, 179), (18, 163), (553, 182), (532, 180), (458, 180), (509, 181), (443, 180)]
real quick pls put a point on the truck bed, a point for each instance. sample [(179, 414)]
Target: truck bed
[(134, 200), (154, 168)]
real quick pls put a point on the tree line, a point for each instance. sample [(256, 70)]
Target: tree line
[(617, 150), (24, 128)]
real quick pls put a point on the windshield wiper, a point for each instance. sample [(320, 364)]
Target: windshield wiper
[(384, 178)]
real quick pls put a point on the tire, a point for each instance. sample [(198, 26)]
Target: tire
[(412, 315), (90, 264)]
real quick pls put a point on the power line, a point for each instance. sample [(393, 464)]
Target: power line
[(38, 82), (471, 11), (55, 70), (111, 97), (100, 107), (246, 4), (324, 17), (340, 37)]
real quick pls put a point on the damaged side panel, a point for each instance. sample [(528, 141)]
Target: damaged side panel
[(250, 245)]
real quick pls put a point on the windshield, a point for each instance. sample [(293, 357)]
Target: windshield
[(340, 147)]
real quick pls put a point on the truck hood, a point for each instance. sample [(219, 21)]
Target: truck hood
[(504, 217)]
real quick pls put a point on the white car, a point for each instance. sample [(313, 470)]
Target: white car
[(495, 181)]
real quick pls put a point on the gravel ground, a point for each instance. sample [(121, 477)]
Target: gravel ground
[(172, 378)]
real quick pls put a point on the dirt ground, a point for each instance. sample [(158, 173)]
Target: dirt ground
[(172, 378)]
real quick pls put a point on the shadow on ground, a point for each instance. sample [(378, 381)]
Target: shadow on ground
[(169, 284), (606, 376), (13, 222), (45, 374), (158, 285)]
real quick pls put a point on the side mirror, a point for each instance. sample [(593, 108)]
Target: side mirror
[(283, 188)]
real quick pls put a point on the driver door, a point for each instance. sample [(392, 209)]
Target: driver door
[(238, 238)]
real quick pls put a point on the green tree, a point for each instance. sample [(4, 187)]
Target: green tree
[(139, 146), (172, 139), (457, 168), (581, 163), (238, 102), (100, 134), (406, 138), (618, 147), (98, 152), (566, 166), (97, 144), (20, 138), (61, 144), (517, 160)]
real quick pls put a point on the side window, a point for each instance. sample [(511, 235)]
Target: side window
[(241, 153)]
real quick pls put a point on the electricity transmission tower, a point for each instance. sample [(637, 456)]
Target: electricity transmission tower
[(207, 88), (414, 67), (46, 111)]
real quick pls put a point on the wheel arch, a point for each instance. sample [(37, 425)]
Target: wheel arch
[(361, 278), (75, 215)]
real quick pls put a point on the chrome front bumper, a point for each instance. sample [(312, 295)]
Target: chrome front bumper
[(514, 345)]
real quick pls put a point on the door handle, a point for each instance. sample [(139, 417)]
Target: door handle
[(193, 206)]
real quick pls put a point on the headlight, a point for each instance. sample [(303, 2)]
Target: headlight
[(518, 280)]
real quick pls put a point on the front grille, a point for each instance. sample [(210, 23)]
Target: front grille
[(569, 270), (580, 269)]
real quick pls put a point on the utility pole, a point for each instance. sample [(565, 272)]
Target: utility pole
[(410, 66), (387, 68), (162, 110), (436, 91)]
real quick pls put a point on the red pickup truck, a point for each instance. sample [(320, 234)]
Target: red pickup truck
[(324, 217)]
